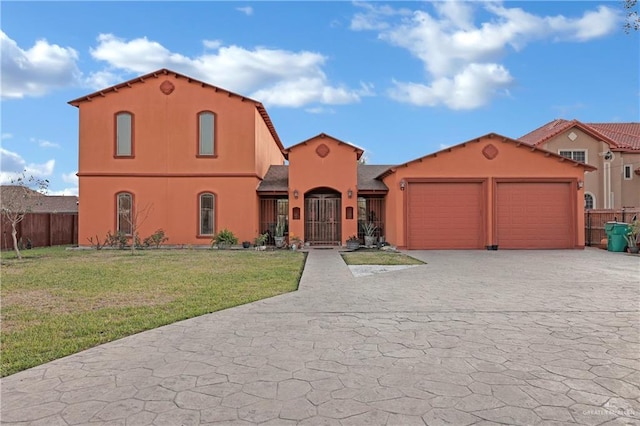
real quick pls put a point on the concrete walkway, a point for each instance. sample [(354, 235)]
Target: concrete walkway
[(472, 337)]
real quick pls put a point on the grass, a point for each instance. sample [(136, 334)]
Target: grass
[(56, 302), (378, 257)]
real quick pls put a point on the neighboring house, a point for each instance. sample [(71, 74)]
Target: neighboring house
[(199, 159), (51, 220), (613, 148)]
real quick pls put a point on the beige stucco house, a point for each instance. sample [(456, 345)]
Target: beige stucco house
[(613, 148)]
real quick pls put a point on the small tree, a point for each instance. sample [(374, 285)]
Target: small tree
[(18, 199), (632, 21), (135, 217)]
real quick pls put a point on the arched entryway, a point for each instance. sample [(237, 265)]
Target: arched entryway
[(323, 219)]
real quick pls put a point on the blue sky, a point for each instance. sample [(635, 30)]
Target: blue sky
[(399, 79)]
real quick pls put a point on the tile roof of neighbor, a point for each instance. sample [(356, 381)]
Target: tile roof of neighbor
[(277, 178), (46, 203), (620, 136), (164, 71)]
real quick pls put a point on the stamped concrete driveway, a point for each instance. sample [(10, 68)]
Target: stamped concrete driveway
[(472, 337)]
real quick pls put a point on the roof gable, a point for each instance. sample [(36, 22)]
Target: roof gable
[(619, 136), (359, 151), (516, 143), (165, 72)]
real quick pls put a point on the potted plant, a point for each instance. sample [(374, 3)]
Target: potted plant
[(632, 236), (296, 243), (261, 240), (224, 239), (246, 244), (279, 237), (353, 243), (369, 230)]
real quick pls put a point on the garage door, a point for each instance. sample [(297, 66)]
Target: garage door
[(534, 215), (445, 215)]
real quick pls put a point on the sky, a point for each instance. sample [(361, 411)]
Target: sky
[(399, 79)]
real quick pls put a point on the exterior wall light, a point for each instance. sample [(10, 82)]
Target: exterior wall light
[(350, 193), (580, 184), (403, 184), (295, 194)]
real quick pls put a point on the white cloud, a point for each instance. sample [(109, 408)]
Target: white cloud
[(320, 110), (12, 165), (247, 10), (471, 88), (6, 136), (70, 178), (212, 44), (461, 58), (274, 76), (43, 143), (37, 70)]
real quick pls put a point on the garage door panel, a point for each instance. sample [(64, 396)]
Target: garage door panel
[(534, 215), (445, 215)]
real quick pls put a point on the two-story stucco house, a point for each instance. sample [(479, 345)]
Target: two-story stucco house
[(613, 148), (197, 158)]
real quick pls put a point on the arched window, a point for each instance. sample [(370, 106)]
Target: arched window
[(124, 134), (589, 201), (206, 133), (124, 212), (207, 214)]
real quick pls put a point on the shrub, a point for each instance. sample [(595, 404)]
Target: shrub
[(156, 239), (224, 238), (118, 239)]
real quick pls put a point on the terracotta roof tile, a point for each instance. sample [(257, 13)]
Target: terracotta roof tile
[(620, 136)]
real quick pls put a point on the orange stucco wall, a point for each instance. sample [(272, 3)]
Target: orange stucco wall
[(266, 152), (468, 162), (337, 170), (165, 170), (172, 204)]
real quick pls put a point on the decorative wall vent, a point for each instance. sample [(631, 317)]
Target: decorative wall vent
[(490, 152), (322, 150), (167, 87), (572, 136)]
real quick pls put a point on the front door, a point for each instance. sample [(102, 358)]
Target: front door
[(322, 219)]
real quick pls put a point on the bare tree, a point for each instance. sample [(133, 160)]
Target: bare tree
[(135, 217), (632, 23), (18, 199)]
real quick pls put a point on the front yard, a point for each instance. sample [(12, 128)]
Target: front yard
[(57, 302)]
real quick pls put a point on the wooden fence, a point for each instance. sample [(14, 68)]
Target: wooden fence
[(42, 229), (594, 221)]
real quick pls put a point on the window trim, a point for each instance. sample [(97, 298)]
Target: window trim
[(117, 208), (572, 150), (215, 135), (115, 135), (628, 167), (199, 214), (593, 199)]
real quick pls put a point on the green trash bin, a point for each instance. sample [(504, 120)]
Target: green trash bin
[(616, 236)]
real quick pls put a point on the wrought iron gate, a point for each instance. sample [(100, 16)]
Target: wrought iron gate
[(323, 222)]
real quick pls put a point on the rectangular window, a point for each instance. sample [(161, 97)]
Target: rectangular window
[(123, 134), (580, 156), (628, 172), (206, 214), (206, 124)]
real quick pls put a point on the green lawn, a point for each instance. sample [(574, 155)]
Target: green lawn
[(56, 302), (379, 257)]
